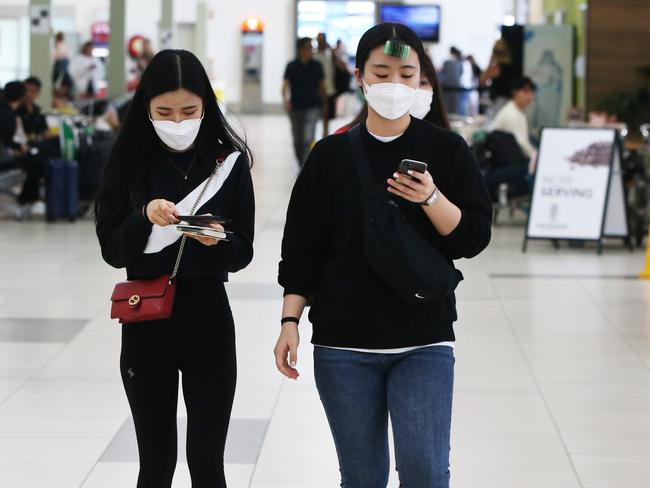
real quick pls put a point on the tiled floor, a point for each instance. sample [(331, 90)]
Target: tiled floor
[(553, 363)]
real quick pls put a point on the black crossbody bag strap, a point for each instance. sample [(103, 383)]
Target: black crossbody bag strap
[(361, 159)]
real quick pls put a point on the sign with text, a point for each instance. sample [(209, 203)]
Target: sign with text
[(572, 184)]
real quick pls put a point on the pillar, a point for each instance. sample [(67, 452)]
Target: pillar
[(117, 49), (40, 51)]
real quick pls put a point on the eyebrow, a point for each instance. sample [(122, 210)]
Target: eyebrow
[(182, 108), (386, 66)]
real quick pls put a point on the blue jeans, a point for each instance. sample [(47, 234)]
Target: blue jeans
[(360, 390)]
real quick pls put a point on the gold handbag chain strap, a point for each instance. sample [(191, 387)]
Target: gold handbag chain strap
[(205, 188)]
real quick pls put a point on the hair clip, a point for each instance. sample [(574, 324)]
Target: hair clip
[(397, 49)]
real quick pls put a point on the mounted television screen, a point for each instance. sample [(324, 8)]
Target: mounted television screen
[(344, 21), (423, 19)]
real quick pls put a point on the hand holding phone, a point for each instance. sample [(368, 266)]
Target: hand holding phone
[(412, 165)]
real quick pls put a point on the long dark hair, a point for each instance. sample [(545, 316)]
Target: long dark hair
[(400, 34), (125, 177)]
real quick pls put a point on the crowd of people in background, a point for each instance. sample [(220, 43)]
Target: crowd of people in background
[(30, 136)]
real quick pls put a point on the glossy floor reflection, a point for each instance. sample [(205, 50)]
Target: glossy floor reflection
[(553, 363)]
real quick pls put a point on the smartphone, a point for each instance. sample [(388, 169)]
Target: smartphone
[(204, 219), (203, 231), (411, 165)]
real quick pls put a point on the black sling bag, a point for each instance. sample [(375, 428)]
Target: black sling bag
[(401, 256)]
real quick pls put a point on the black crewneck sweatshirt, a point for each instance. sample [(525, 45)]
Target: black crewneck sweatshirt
[(322, 255), (123, 245)]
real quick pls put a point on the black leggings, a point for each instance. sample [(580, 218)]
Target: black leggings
[(199, 341)]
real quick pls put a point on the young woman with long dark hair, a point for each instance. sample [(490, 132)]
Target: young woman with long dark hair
[(377, 354), (174, 143)]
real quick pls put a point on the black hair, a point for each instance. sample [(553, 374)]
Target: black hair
[(303, 42), (125, 178), (14, 91), (523, 83), (33, 80), (401, 35)]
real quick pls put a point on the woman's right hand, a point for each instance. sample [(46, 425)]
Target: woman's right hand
[(162, 212), (287, 346)]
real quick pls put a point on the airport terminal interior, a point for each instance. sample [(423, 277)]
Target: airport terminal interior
[(552, 351)]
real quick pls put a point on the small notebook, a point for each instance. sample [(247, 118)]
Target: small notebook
[(203, 231)]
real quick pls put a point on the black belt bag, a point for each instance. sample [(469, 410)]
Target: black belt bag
[(401, 256)]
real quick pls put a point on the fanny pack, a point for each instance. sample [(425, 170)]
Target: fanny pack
[(393, 247)]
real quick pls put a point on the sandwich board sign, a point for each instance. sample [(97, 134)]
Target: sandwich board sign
[(578, 191)]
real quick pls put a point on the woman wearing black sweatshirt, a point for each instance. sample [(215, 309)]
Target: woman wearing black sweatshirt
[(375, 355), (168, 148)]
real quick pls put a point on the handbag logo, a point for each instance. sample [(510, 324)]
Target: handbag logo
[(134, 300)]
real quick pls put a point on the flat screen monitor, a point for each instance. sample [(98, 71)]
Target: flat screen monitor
[(423, 19), (344, 21)]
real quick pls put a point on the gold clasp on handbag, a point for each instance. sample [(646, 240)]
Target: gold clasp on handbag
[(134, 300)]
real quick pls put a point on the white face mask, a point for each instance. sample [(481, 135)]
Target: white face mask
[(390, 100), (422, 104), (177, 135)]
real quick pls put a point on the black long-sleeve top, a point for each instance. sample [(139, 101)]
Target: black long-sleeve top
[(7, 125), (123, 245), (322, 255)]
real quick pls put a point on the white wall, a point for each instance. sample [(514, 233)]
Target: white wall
[(143, 17), (224, 43)]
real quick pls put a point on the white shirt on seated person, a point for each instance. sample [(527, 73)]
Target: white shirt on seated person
[(512, 118)]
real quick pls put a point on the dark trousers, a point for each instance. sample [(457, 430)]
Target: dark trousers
[(34, 164), (303, 128), (331, 106), (515, 176), (360, 390), (199, 341), (35, 168)]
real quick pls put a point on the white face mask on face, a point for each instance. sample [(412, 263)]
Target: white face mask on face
[(390, 100), (422, 104), (177, 135)]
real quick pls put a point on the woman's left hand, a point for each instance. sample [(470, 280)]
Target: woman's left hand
[(416, 189), (208, 241)]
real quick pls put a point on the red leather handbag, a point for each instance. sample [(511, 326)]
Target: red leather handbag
[(140, 300), (151, 299)]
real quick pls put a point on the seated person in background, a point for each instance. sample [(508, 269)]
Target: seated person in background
[(18, 154), (12, 136), (516, 165), (512, 117), (30, 113)]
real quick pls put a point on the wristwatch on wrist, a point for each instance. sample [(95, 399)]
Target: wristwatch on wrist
[(434, 196)]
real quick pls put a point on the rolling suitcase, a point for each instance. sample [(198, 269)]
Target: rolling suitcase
[(62, 190)]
